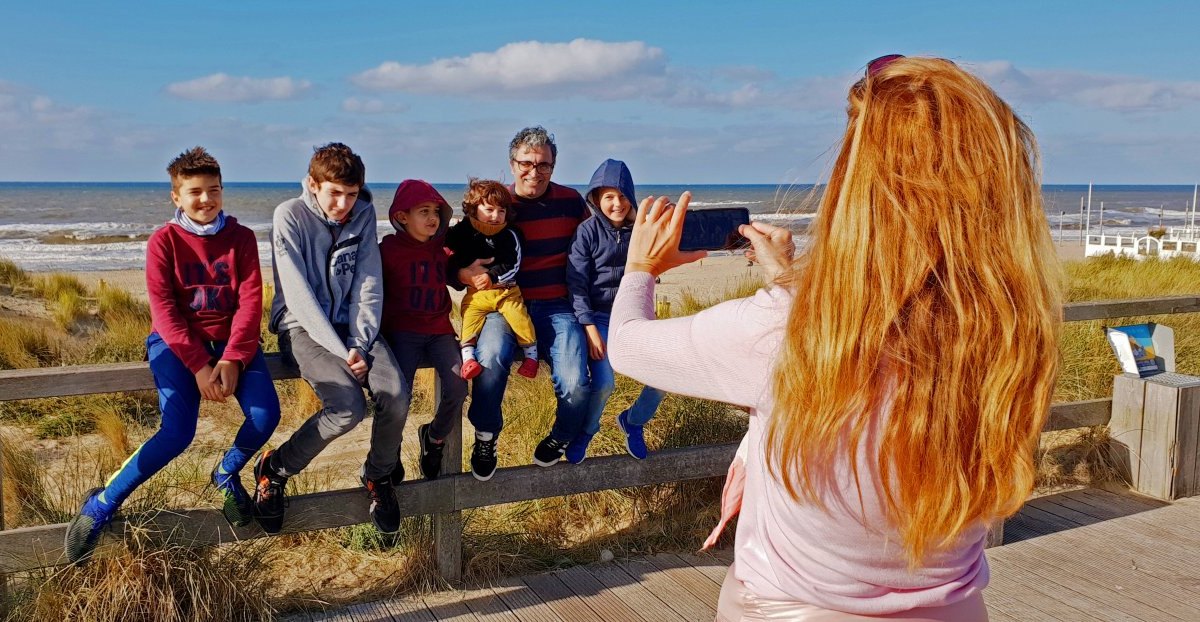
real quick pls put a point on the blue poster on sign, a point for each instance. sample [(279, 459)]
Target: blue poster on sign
[(1143, 349)]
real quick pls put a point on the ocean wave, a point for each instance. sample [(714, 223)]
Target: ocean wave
[(723, 203)]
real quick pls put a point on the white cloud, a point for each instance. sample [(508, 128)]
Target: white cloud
[(370, 105), (1117, 92), (222, 87), (523, 68)]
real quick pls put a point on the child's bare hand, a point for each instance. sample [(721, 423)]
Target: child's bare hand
[(482, 280), (595, 342), (228, 373), (209, 385), (467, 275), (358, 365)]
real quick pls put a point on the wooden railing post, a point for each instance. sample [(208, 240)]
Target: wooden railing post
[(447, 527), (1156, 428)]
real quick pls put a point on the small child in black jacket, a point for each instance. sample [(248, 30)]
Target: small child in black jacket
[(484, 233)]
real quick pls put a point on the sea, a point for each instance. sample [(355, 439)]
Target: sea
[(88, 226)]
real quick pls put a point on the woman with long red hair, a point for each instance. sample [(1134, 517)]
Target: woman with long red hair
[(898, 372)]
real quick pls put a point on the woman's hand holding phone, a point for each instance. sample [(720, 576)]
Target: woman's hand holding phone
[(770, 246), (654, 244)]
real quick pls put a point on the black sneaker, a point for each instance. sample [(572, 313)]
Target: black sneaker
[(397, 476), (549, 451), (431, 453), (83, 533), (235, 501), (385, 510), (483, 458), (269, 498)]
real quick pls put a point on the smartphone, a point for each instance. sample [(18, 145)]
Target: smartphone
[(714, 229)]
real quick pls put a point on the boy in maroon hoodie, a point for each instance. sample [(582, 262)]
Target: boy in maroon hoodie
[(416, 307), (205, 289)]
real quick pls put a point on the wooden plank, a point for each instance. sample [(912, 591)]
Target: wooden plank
[(709, 566), (487, 606), (674, 595), (35, 547), (1083, 414), (448, 607), (1109, 309), (1125, 427), (409, 609), (1159, 416), (606, 472), (1091, 560), (1012, 583), (1114, 604), (606, 604), (1187, 445), (560, 598), (692, 580), (524, 602), (648, 605), (447, 527), (370, 612)]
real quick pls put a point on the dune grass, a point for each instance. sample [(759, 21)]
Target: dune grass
[(140, 579)]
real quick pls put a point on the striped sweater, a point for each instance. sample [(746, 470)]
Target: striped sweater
[(546, 225)]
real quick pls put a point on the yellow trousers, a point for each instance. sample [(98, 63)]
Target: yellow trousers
[(508, 301)]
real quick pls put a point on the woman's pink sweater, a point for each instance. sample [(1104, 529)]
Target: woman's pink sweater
[(845, 557)]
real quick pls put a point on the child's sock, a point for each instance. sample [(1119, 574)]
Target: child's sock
[(531, 351), (468, 353), (484, 436)]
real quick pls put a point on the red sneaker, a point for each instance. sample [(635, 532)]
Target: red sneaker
[(528, 368), (470, 369)]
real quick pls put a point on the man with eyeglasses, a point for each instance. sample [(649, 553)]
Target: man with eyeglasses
[(546, 215)]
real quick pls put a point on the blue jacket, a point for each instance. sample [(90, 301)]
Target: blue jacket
[(596, 261)]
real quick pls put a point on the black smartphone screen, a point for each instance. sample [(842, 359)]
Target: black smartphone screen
[(714, 229)]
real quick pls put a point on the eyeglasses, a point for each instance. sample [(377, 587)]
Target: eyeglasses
[(542, 167), (876, 65)]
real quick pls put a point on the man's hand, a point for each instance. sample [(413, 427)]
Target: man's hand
[(358, 365), (228, 373), (595, 342), (467, 275), (209, 385)]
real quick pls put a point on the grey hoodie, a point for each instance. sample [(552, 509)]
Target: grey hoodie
[(327, 275)]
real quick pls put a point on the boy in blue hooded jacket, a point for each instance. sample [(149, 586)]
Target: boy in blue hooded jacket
[(595, 266)]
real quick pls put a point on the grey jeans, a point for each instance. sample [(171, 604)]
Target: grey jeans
[(441, 352), (343, 404)]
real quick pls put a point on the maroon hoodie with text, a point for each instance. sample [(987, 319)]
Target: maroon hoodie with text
[(415, 298), (205, 288)]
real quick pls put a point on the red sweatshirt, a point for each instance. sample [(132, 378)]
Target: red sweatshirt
[(205, 288), (415, 298)]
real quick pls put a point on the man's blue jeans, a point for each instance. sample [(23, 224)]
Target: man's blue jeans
[(602, 384), (561, 341)]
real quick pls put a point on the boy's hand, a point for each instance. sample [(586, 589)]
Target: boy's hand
[(467, 275), (227, 374), (595, 342), (206, 381), (358, 365), (482, 280)]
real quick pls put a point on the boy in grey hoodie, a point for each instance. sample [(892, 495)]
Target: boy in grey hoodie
[(327, 310)]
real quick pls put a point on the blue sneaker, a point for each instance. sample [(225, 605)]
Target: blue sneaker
[(235, 501), (83, 533), (577, 450), (635, 443)]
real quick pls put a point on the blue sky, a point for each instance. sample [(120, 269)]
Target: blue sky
[(685, 92)]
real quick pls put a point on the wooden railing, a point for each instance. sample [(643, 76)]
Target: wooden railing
[(445, 498)]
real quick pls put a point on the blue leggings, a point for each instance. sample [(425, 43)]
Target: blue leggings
[(179, 401)]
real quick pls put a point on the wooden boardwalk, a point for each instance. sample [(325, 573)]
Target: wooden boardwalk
[(1079, 555)]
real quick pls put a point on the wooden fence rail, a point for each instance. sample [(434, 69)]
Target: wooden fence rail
[(33, 547)]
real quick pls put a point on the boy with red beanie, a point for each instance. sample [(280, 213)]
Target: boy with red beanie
[(416, 307)]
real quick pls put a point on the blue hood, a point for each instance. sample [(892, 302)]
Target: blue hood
[(612, 174)]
